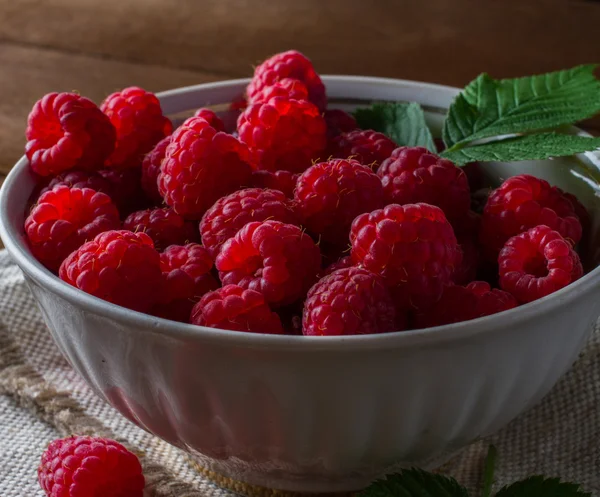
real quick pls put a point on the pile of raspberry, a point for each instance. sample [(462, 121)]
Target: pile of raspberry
[(295, 221)]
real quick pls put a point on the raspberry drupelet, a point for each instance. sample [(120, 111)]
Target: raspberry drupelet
[(126, 189), (164, 226), (231, 213), (211, 117), (329, 196), (283, 134), (237, 309), (118, 266), (66, 131), (151, 168), (338, 122), (349, 301), (284, 181), (523, 202), (187, 277), (90, 467), (64, 218), (276, 259), (537, 263), (412, 246), (288, 88), (201, 166), (366, 146), (414, 174), (463, 303), (292, 65), (137, 116)]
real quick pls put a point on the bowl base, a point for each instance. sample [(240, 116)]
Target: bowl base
[(236, 475)]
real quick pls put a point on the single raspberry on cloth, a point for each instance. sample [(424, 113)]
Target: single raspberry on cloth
[(283, 134), (118, 266), (286, 88), (187, 277), (329, 196), (523, 202), (137, 116), (211, 117), (537, 263), (164, 226), (463, 303), (231, 213), (349, 301), (201, 166), (284, 181), (366, 146), (237, 309), (276, 259), (411, 246), (414, 174), (90, 467), (290, 65), (66, 131), (151, 168), (64, 218)]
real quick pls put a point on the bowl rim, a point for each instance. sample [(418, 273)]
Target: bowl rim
[(16, 247)]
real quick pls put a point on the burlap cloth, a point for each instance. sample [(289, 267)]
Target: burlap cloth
[(42, 398)]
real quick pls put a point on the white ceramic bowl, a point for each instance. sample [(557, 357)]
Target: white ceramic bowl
[(308, 413)]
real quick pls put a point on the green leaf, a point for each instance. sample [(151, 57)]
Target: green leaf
[(487, 107), (403, 122), (538, 486), (528, 147), (415, 483)]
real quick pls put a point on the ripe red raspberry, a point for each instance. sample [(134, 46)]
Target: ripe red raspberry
[(74, 179), (230, 214), (277, 259), (201, 166), (342, 263), (212, 118), (466, 228), (523, 202), (537, 263), (463, 303), (283, 134), (284, 181), (118, 266), (288, 88), (137, 116), (412, 246), (413, 174), (290, 64), (64, 219), (66, 131), (126, 189), (164, 226), (90, 467), (237, 309), (350, 301), (151, 169), (366, 146), (329, 195), (466, 271), (338, 122), (187, 277)]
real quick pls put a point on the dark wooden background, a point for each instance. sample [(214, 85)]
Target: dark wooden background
[(98, 46)]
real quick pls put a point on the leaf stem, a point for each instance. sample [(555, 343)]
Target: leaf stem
[(488, 473)]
